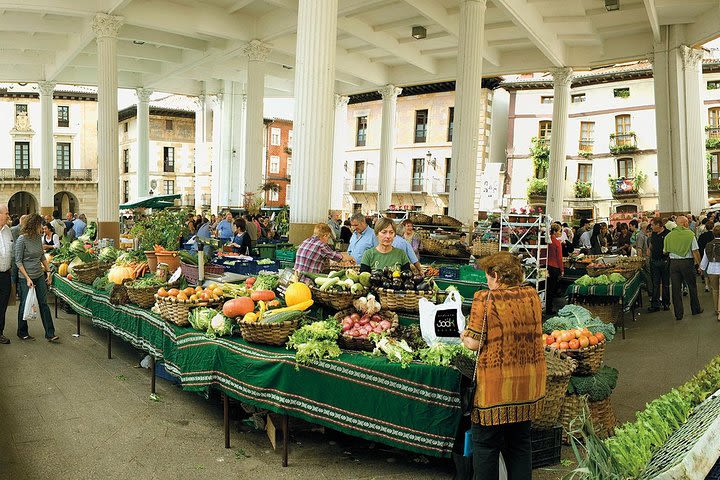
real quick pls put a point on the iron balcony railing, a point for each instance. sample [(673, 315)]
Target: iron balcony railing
[(33, 174)]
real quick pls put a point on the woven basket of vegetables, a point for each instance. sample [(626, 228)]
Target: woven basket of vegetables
[(273, 329), (339, 300), (607, 309), (191, 274), (177, 311), (88, 272), (142, 291), (378, 322), (589, 359), (403, 300), (596, 390), (559, 369), (483, 249)]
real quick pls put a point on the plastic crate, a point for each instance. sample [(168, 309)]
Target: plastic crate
[(469, 273), (161, 372), (287, 264), (546, 446), (285, 255), (467, 289), (266, 250), (451, 273)]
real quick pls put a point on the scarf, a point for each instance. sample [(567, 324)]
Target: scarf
[(679, 241)]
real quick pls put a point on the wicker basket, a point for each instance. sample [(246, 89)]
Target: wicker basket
[(600, 270), (190, 272), (268, 333), (559, 369), (334, 299), (88, 272), (483, 249), (601, 415), (607, 309), (177, 312), (431, 246), (334, 266), (354, 343), (145, 296), (119, 293), (446, 221), (421, 219), (589, 359), (402, 300)]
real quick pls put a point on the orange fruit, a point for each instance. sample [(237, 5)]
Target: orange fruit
[(193, 298), (600, 336), (218, 291), (584, 341), (567, 336), (182, 296), (162, 292), (198, 289), (563, 345), (574, 344), (173, 292), (556, 333), (189, 291), (593, 340)]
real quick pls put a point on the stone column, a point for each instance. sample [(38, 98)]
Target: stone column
[(226, 141), (562, 78), (695, 136), (666, 196), (143, 141), (314, 122), (106, 28), (257, 52), (216, 175), (468, 109), (200, 149), (337, 188), (236, 172), (47, 172), (386, 177)]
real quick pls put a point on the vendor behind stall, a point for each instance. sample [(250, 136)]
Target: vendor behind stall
[(240, 243), (384, 254), (225, 229), (314, 253), (363, 239)]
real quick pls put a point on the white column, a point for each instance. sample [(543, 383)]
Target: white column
[(215, 181), (562, 77), (313, 122), (143, 141), (695, 146), (337, 188), (236, 173), (386, 177), (468, 109), (106, 28), (226, 141), (661, 79), (47, 191), (200, 149), (257, 52)]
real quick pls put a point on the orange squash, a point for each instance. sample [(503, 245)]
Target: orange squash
[(297, 292), (238, 307), (264, 295)]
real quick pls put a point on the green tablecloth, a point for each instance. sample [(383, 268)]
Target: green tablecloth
[(416, 408), (627, 291)]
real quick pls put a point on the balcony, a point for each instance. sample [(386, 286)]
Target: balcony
[(585, 147), (583, 189), (537, 190), (712, 142), (623, 143), (624, 187), (206, 199), (358, 184), (33, 174)]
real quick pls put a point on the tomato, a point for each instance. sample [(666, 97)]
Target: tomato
[(567, 336), (189, 291), (173, 292), (593, 340), (563, 345), (549, 340), (554, 345), (556, 333), (162, 292), (600, 336), (584, 341), (574, 344)]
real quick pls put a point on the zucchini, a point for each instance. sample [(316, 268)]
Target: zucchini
[(283, 316), (188, 257), (337, 274), (329, 283)]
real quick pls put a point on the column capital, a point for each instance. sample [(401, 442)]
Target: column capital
[(390, 92), (143, 94), (200, 101), (691, 57), (481, 2), (105, 25), (562, 75), (46, 88), (257, 51), (341, 100), (217, 99)]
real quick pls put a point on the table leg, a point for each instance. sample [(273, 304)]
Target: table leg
[(152, 377), (109, 344), (226, 419), (56, 302), (77, 325), (286, 439)]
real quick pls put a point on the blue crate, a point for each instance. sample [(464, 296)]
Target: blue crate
[(248, 268), (451, 273), (161, 372)]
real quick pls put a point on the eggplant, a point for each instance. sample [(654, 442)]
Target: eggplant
[(397, 284), (418, 278), (409, 285), (386, 285), (387, 272), (406, 275), (421, 286)]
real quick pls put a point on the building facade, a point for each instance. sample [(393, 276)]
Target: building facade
[(278, 161), (74, 121), (422, 152), (611, 159)]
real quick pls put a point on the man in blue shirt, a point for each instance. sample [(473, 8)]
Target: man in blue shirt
[(402, 244), (79, 225), (202, 233), (363, 237), (225, 228)]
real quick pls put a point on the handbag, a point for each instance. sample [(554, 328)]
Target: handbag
[(468, 395)]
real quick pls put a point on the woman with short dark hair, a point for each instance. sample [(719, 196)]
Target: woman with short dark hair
[(240, 243)]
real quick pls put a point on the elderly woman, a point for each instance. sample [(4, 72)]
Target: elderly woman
[(409, 235), (505, 326), (34, 273), (384, 254)]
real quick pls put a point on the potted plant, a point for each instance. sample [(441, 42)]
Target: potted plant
[(160, 236)]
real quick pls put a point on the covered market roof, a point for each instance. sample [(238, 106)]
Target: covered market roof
[(191, 46)]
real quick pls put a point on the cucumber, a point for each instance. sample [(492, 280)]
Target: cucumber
[(282, 317), (188, 257)]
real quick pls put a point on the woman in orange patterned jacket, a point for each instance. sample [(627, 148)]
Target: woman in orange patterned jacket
[(506, 327)]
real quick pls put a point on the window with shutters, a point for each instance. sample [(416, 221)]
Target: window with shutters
[(168, 159), (421, 125)]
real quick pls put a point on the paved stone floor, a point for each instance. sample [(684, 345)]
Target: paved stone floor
[(67, 412)]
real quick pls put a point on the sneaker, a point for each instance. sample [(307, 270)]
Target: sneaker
[(4, 340), (666, 307)]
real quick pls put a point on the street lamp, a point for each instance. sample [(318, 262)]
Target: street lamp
[(432, 161)]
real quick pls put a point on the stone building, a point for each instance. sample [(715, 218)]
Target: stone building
[(74, 139), (278, 161)]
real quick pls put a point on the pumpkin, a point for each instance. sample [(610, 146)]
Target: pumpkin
[(265, 295), (238, 307), (63, 270), (119, 273), (297, 292)]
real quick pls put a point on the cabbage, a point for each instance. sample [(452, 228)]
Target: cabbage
[(220, 325), (76, 261)]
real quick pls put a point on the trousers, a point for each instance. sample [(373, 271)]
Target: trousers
[(513, 440), (660, 272), (683, 271), (45, 315)]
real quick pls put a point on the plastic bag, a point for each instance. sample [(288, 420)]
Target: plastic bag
[(32, 307), (442, 323)]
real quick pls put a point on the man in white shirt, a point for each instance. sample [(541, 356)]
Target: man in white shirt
[(6, 262), (585, 239)]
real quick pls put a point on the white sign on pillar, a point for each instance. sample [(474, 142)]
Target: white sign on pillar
[(490, 187)]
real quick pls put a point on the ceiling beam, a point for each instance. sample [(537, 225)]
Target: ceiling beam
[(430, 36), (434, 11), (403, 22), (653, 18), (386, 42), (11, 21), (163, 39), (704, 28), (239, 5), (287, 4), (29, 41), (529, 19), (149, 52), (89, 60)]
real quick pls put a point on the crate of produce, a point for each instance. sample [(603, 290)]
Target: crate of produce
[(267, 250), (285, 254), (450, 272), (467, 289), (546, 446), (403, 300), (469, 273), (348, 342), (191, 274)]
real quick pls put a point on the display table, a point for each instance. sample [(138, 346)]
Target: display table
[(627, 294), (416, 408)]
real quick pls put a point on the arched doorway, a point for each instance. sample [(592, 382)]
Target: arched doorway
[(65, 202), (22, 203)]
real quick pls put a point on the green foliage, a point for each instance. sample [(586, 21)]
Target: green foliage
[(640, 179), (164, 227), (618, 149), (540, 154), (597, 387), (583, 189), (537, 187), (712, 143), (282, 221)]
